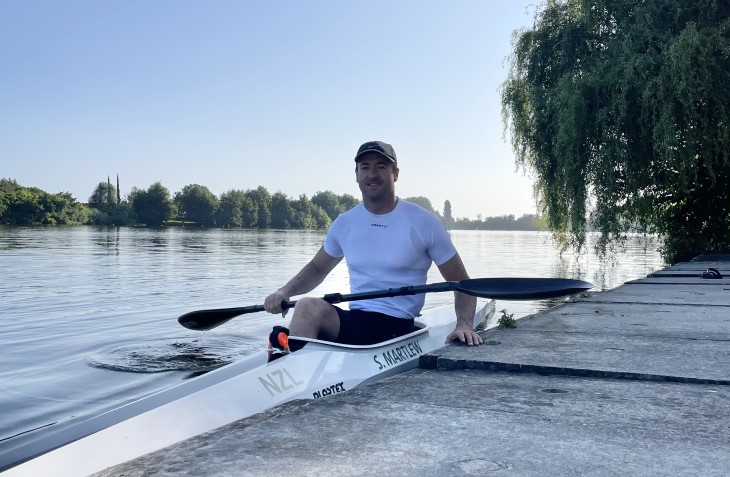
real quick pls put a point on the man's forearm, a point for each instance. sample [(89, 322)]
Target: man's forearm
[(309, 277), (305, 281), (465, 307)]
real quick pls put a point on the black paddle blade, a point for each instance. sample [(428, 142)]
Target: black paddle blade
[(522, 288), (203, 320)]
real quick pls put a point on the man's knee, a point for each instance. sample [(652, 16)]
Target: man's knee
[(314, 309), (309, 304), (315, 318)]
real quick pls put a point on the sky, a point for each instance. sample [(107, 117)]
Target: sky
[(236, 94)]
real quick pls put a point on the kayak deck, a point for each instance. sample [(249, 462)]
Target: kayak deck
[(225, 395)]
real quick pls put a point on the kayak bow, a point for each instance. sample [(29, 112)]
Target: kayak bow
[(243, 388)]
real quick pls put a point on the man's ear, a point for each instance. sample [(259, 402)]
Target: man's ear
[(395, 173)]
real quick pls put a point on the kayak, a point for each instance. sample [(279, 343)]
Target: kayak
[(251, 385)]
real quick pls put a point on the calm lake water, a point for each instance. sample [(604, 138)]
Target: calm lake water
[(89, 314)]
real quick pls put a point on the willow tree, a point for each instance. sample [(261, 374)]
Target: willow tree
[(620, 110)]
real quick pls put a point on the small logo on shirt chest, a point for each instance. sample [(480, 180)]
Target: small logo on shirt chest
[(379, 225)]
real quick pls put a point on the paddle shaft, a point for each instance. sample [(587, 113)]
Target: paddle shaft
[(204, 320)]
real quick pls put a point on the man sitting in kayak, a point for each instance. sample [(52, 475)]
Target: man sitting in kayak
[(388, 243)]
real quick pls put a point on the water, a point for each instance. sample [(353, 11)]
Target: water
[(89, 314)]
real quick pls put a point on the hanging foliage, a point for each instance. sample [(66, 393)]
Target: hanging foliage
[(620, 109)]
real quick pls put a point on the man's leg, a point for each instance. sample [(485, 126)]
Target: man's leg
[(315, 318)]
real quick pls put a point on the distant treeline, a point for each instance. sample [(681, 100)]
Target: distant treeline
[(503, 222), (196, 205)]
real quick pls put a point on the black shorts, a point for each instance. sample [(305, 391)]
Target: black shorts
[(358, 327)]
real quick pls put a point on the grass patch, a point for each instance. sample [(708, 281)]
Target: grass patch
[(506, 320)]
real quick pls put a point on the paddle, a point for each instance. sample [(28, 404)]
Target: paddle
[(495, 288)]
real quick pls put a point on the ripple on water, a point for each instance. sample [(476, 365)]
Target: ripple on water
[(175, 354)]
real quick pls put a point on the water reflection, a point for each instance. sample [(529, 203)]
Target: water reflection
[(107, 239)]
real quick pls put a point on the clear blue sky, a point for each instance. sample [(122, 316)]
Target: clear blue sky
[(233, 94)]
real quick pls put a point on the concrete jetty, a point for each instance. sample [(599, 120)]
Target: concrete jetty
[(631, 381)]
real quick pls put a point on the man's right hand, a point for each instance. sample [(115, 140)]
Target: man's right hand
[(273, 302)]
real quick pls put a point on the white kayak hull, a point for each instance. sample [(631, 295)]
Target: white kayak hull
[(225, 395)]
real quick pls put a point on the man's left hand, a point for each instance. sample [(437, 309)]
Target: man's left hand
[(469, 337)]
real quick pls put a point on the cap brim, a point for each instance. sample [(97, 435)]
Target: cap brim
[(376, 152)]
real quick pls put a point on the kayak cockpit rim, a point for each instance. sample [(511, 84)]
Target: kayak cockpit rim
[(421, 329)]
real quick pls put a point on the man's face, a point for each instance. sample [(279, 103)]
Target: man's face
[(376, 176)]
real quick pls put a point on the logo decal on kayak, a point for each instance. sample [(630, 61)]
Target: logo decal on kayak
[(279, 382), (398, 354), (329, 391)]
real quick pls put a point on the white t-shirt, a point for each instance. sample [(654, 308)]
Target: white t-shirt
[(389, 251)]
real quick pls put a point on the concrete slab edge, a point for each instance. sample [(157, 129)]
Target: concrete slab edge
[(699, 281), (436, 362), (652, 303)]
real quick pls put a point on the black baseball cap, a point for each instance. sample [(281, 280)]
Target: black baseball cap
[(379, 147)]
